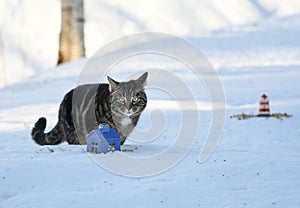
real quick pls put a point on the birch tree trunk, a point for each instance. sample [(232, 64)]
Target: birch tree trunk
[(71, 38)]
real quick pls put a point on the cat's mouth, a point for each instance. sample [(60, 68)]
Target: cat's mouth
[(129, 113), (124, 113)]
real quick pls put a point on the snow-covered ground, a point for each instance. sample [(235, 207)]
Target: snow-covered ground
[(29, 30), (254, 165)]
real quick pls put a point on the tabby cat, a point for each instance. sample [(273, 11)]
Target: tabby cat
[(118, 104)]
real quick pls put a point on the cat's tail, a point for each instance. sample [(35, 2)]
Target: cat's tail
[(52, 138)]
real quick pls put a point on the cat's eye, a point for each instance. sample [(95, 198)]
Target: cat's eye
[(135, 99), (121, 99)]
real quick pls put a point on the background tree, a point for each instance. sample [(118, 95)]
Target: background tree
[(71, 38)]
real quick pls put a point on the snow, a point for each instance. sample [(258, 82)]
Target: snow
[(254, 46), (280, 8), (29, 45)]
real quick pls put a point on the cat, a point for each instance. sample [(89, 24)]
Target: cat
[(118, 104)]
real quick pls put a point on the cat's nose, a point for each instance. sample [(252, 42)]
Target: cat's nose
[(128, 106)]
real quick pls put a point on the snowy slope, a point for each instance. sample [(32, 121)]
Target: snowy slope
[(29, 29), (254, 165)]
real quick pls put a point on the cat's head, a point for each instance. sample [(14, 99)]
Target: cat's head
[(128, 98)]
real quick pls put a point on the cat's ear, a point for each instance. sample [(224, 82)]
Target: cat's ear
[(113, 84), (142, 79)]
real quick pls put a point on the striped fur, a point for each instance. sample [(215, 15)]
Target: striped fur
[(118, 104)]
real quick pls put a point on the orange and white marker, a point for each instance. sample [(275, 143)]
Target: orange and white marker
[(264, 109)]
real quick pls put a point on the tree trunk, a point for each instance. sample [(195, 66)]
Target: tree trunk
[(71, 38)]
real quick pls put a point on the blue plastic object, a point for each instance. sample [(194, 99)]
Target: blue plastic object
[(103, 140)]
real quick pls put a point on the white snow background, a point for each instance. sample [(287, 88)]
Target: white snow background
[(254, 46)]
